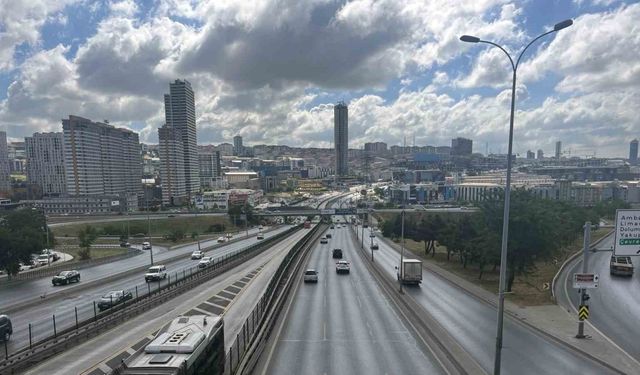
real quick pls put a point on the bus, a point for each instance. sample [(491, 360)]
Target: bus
[(188, 345)]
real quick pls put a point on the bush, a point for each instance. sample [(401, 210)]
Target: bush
[(84, 253), (176, 235)]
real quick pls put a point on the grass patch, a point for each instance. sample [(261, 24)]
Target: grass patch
[(528, 290), (159, 227), (95, 252)]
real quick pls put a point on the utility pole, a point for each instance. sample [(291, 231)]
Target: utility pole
[(401, 273), (146, 199), (584, 296)]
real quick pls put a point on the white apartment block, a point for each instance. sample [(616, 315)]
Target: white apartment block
[(45, 163)]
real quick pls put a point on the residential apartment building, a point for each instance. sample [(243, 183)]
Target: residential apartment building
[(210, 168), (100, 159), (461, 147), (45, 163), (5, 174), (174, 189), (341, 137)]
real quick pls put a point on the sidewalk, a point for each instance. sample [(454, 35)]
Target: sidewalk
[(551, 321)]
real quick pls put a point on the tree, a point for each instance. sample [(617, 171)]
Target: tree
[(22, 233), (86, 237)]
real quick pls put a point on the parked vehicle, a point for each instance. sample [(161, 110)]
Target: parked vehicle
[(229, 235), (197, 255), (155, 273), (621, 266), (55, 256), (337, 253), (411, 271), (146, 246), (221, 239), (124, 244), (310, 276), (6, 328), (205, 262), (44, 259), (114, 298), (66, 277), (343, 267)]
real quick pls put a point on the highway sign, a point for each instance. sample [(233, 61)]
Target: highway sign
[(328, 212), (627, 239), (585, 280), (583, 312)]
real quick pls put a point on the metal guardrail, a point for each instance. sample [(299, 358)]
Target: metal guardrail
[(56, 334), (241, 355)]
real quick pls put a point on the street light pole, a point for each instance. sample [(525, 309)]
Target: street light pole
[(146, 199), (507, 193)]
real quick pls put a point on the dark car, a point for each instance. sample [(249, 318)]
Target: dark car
[(113, 298), (66, 277), (6, 329), (124, 244), (328, 235), (337, 253)]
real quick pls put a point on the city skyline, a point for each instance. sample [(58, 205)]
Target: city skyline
[(440, 89)]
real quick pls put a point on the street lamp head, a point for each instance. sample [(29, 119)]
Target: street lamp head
[(562, 25), (469, 39)]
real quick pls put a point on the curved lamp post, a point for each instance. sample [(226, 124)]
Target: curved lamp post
[(507, 192)]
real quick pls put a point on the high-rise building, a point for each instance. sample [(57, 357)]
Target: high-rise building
[(558, 149), (210, 167), (174, 189), (531, 155), (633, 152), (180, 117), (45, 163), (461, 147), (100, 159), (540, 155), (341, 137), (5, 174), (238, 149), (375, 147)]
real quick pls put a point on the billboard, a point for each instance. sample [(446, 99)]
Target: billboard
[(627, 238)]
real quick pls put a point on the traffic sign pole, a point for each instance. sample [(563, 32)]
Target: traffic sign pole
[(584, 297)]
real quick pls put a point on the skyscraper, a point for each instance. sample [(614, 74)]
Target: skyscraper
[(45, 163), (238, 149), (210, 167), (540, 155), (5, 174), (174, 190), (633, 152), (558, 149), (461, 147), (100, 159), (531, 155), (341, 137), (180, 117)]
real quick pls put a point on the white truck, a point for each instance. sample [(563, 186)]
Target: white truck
[(411, 271)]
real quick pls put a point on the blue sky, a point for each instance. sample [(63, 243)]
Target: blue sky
[(271, 71)]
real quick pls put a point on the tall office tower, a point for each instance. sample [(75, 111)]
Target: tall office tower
[(531, 155), (180, 114), (45, 163), (540, 155), (238, 149), (558, 149), (174, 189), (5, 173), (100, 159), (633, 152), (461, 147), (210, 167), (341, 137)]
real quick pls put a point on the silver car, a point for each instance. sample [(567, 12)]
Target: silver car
[(310, 276)]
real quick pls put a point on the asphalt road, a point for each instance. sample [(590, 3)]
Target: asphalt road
[(80, 358), (343, 324), (40, 315), (614, 307), (473, 324)]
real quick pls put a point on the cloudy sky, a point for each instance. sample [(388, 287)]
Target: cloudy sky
[(270, 70)]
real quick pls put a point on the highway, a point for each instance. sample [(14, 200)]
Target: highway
[(83, 358), (344, 324), (12, 293), (614, 305), (40, 314), (472, 323)]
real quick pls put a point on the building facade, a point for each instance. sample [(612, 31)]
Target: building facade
[(179, 134), (341, 137), (375, 147), (540, 155), (210, 168), (238, 149), (633, 152), (100, 159), (558, 149), (45, 163), (461, 147), (106, 204), (5, 174)]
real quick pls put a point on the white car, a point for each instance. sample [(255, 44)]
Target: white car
[(310, 276), (323, 240), (197, 254), (343, 266), (260, 227), (229, 235), (156, 273), (205, 262), (260, 236), (146, 246), (221, 239)]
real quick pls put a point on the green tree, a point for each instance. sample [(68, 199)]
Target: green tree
[(22, 233), (86, 237)]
